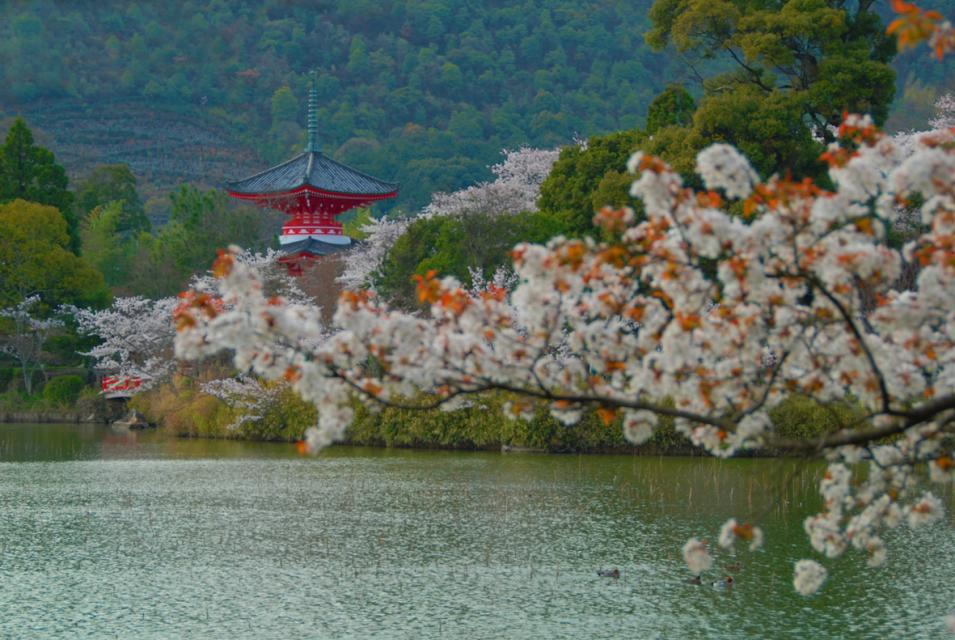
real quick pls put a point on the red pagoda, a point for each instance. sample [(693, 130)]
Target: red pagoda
[(313, 190)]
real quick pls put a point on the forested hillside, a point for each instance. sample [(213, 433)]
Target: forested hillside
[(424, 92)]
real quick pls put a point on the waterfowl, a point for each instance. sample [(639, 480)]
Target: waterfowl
[(695, 580), (734, 567), (609, 573), (725, 583)]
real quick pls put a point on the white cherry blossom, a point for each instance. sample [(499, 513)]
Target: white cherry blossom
[(696, 556), (809, 576)]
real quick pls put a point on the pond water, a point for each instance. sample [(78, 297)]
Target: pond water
[(125, 535)]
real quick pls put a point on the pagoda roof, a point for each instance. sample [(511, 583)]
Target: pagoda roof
[(312, 170), (313, 246)]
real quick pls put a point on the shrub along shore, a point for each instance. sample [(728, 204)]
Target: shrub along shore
[(182, 410), (63, 398)]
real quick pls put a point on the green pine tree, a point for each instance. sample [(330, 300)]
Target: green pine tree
[(30, 172)]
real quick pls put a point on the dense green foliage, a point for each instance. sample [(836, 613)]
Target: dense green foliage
[(674, 107), (162, 263), (104, 244), (481, 426), (793, 64), (180, 408), (202, 222), (113, 183), (586, 178), (30, 172), (63, 390), (825, 56), (453, 245), (87, 403), (426, 93), (35, 259)]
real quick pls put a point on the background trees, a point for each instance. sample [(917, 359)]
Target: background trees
[(35, 260), (23, 337), (202, 222), (113, 183), (795, 68), (183, 92), (825, 57), (29, 172)]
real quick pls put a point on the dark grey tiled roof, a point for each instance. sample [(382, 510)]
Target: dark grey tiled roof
[(314, 247), (315, 170)]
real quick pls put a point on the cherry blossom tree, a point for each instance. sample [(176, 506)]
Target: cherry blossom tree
[(137, 338), (27, 336), (942, 120), (944, 112), (137, 333), (502, 279), (712, 310), (249, 397), (515, 189), (274, 276), (362, 261)]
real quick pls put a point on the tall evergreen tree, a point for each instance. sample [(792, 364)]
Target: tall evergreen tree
[(110, 183), (795, 67), (30, 172)]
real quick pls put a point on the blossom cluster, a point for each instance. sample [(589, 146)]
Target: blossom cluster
[(249, 397), (137, 333), (915, 25), (515, 189), (22, 316), (712, 309), (137, 337), (363, 260)]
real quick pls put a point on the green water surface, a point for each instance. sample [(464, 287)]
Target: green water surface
[(111, 534)]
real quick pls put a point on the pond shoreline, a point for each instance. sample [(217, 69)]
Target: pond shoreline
[(645, 451), (676, 450), (51, 417)]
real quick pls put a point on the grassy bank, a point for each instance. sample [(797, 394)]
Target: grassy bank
[(65, 398), (183, 410)]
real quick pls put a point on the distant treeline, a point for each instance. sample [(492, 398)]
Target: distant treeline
[(424, 92)]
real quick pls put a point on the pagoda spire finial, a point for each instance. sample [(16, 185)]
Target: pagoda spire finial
[(312, 122)]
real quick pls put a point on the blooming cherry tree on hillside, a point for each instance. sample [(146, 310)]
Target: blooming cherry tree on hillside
[(716, 307), (275, 277), (944, 112), (515, 189), (362, 261)]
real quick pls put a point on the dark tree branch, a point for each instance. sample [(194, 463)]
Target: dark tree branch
[(754, 73), (876, 371)]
